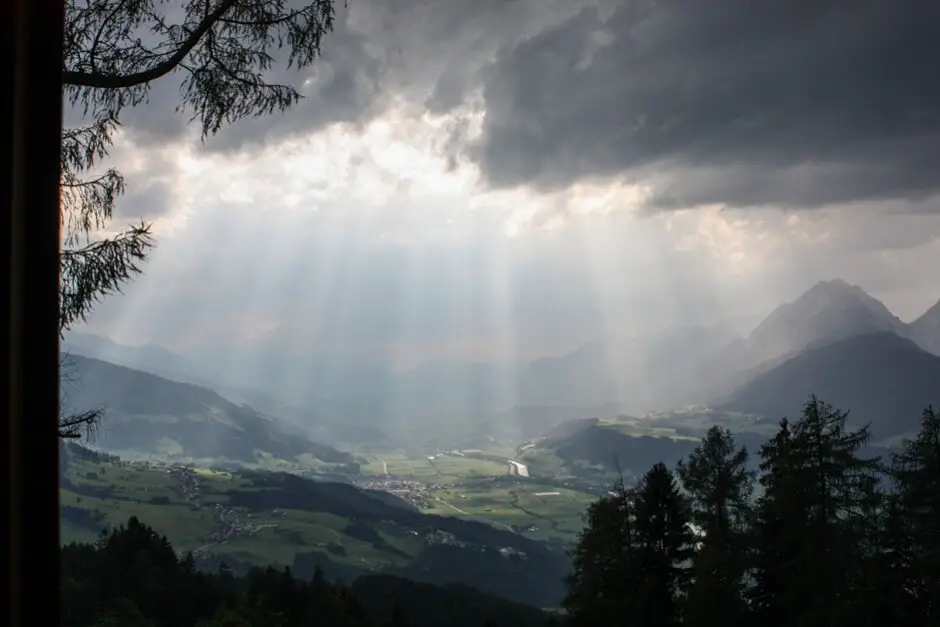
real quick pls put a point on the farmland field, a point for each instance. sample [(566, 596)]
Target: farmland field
[(253, 517), (116, 492), (477, 486), (544, 512), (455, 485)]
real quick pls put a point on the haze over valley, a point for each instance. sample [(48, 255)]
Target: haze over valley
[(864, 352)]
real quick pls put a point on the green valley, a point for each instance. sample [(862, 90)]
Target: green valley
[(249, 517)]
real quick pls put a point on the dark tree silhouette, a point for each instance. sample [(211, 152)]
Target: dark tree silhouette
[(834, 539), (630, 562), (719, 484), (604, 562), (666, 544), (114, 51), (811, 517), (915, 471), (134, 577)]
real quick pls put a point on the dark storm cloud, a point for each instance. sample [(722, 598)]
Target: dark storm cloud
[(433, 49), (748, 103), (342, 85), (900, 172), (421, 53)]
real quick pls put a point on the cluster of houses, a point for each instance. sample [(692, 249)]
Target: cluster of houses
[(415, 492)]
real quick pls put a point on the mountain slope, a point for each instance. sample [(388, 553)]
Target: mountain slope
[(583, 375), (641, 373), (150, 414), (926, 330), (148, 357), (327, 422), (828, 312), (882, 378)]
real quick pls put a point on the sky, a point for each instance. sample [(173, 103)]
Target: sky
[(498, 180)]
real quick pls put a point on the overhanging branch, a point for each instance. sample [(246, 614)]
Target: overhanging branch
[(106, 81)]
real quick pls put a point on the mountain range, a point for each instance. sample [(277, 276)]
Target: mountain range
[(148, 414), (833, 321), (884, 380)]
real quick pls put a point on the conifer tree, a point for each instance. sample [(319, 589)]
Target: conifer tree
[(664, 544), (817, 492), (719, 485), (837, 482), (603, 563), (777, 532), (915, 471)]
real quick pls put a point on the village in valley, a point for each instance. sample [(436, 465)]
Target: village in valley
[(470, 484)]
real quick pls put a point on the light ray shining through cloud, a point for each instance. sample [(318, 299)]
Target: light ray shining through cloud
[(504, 198)]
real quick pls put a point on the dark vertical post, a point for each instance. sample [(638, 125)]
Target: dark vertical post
[(32, 38)]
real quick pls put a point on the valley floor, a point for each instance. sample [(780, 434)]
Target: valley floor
[(192, 507)]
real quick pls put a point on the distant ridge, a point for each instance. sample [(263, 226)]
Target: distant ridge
[(882, 378), (149, 414), (926, 329)]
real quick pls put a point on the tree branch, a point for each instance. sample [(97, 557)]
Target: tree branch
[(105, 81), (71, 426)]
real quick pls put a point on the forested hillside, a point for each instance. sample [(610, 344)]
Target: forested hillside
[(833, 539), (133, 577)]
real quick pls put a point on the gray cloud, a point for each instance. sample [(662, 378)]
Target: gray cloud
[(749, 103), (420, 53), (145, 202), (343, 85), (340, 86), (434, 49)]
